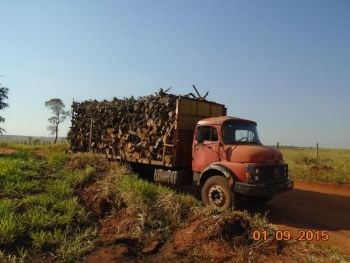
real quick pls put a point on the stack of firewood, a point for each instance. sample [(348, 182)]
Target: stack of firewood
[(126, 128)]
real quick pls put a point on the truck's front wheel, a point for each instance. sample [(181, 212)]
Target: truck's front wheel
[(216, 192)]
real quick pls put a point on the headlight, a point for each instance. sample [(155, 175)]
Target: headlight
[(253, 174)]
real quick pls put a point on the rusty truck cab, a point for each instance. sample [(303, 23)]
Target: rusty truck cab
[(228, 160)]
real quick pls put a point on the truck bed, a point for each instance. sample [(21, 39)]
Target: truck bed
[(120, 129), (188, 113)]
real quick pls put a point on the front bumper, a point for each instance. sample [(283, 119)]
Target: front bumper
[(263, 189)]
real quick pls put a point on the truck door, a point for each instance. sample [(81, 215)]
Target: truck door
[(205, 148)]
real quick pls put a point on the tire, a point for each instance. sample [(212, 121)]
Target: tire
[(217, 193)]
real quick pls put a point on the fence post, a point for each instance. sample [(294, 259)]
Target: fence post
[(278, 145), (90, 135), (316, 150)]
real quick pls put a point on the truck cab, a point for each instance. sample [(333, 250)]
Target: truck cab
[(229, 161)]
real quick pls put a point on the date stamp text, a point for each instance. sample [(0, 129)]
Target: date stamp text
[(302, 235)]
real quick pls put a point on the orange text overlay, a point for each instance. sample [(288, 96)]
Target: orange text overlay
[(302, 235)]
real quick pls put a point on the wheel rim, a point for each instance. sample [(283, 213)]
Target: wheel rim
[(217, 196)]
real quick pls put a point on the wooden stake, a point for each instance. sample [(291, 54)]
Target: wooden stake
[(90, 135)]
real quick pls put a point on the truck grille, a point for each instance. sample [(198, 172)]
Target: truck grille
[(269, 174), (273, 174)]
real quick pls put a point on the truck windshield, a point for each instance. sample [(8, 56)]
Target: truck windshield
[(239, 132)]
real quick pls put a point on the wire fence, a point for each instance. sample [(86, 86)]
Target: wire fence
[(277, 146), (35, 141)]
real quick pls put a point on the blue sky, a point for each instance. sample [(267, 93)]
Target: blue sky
[(284, 64)]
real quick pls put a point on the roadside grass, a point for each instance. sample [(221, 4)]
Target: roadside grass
[(160, 209), (39, 212), (334, 255), (149, 211), (332, 166)]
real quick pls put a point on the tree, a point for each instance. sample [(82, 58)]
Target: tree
[(59, 115), (3, 97)]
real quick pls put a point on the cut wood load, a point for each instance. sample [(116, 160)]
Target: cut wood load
[(146, 129)]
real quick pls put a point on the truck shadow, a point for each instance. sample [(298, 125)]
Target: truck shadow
[(307, 209)]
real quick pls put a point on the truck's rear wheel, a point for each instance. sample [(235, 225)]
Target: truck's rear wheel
[(216, 192)]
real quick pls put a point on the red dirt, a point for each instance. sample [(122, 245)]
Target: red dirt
[(206, 238), (96, 194), (309, 206), (111, 254), (199, 241), (7, 151), (152, 248), (343, 190), (314, 206), (96, 203), (202, 239), (120, 227)]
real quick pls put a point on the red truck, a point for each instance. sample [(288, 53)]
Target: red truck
[(223, 155), (229, 159)]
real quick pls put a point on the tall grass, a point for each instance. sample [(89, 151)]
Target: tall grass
[(332, 166), (161, 210)]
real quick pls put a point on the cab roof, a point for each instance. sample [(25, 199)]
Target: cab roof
[(221, 119)]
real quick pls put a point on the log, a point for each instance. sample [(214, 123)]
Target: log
[(128, 127)]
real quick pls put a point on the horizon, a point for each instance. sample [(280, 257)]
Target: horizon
[(52, 137), (284, 65)]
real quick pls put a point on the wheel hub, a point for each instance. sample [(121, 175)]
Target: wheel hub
[(217, 196)]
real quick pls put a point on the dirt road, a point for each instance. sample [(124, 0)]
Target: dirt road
[(314, 207)]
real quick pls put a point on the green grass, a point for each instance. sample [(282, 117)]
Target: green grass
[(38, 209), (161, 210), (332, 166)]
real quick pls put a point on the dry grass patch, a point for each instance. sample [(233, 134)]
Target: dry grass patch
[(332, 166)]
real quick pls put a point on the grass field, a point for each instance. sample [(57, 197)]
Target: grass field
[(38, 208), (43, 217), (332, 165)]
